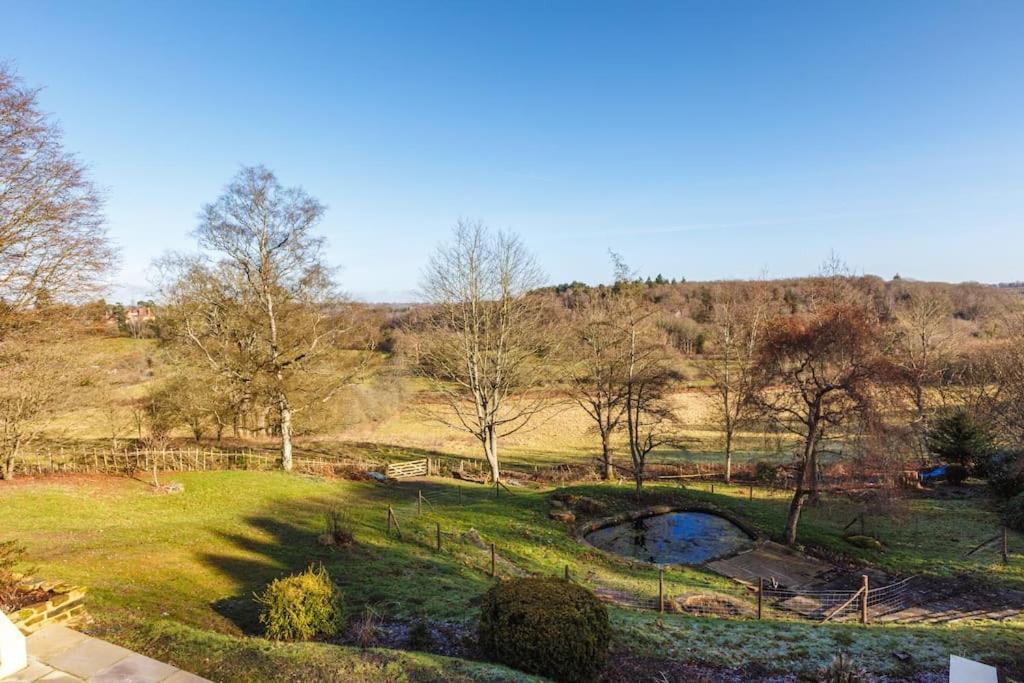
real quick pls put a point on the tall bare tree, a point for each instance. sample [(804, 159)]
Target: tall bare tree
[(598, 357), (648, 380), (923, 343), (482, 342), (259, 304), (737, 325), (816, 376), (53, 243)]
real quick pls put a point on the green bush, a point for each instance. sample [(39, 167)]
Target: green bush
[(301, 607), (1014, 512), (1006, 473), (545, 626)]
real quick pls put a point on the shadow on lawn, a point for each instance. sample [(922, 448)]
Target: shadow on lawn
[(395, 576)]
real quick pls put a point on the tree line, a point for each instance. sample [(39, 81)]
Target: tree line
[(255, 323)]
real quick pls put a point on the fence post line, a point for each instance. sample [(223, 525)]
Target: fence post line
[(712, 487), (661, 589), (864, 602), (389, 520), (1006, 546), (566, 572), (760, 596), (438, 536)]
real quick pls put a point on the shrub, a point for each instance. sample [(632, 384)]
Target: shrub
[(956, 474), (545, 626), (301, 607), (337, 528), (1014, 512), (958, 437), (1006, 473)]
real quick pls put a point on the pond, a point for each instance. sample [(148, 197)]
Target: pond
[(672, 538)]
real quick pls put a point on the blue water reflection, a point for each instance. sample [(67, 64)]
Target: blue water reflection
[(672, 538)]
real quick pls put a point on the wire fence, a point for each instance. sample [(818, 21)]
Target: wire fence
[(425, 517)]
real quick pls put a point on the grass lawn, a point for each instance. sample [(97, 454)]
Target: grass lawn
[(172, 575)]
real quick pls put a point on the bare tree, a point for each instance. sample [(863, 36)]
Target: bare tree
[(259, 305), (922, 347), (52, 241), (736, 329), (39, 376), (816, 376), (482, 342), (648, 380), (599, 357)]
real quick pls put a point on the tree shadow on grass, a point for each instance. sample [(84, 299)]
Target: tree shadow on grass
[(405, 577)]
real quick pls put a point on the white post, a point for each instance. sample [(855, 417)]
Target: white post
[(13, 654)]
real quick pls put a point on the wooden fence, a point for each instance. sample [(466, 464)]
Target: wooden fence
[(106, 461)]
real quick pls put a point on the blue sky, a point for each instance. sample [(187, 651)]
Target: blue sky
[(703, 140)]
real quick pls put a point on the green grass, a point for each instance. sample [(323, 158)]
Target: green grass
[(173, 575)]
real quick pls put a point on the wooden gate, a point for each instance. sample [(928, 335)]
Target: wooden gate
[(411, 468)]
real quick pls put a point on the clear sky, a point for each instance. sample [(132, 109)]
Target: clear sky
[(703, 140)]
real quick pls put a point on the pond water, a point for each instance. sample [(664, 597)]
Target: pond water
[(672, 538)]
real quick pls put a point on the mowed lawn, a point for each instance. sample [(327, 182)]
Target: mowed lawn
[(173, 574)]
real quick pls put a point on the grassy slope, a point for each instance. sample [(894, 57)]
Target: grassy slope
[(171, 574)]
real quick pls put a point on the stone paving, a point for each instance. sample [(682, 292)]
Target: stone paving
[(58, 654)]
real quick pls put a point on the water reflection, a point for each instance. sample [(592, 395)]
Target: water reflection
[(672, 538)]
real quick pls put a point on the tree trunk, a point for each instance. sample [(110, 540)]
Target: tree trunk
[(286, 433), (491, 452), (606, 457), (728, 457), (639, 476), (7, 473), (793, 518)]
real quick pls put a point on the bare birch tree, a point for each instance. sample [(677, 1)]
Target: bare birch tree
[(259, 304), (482, 342)]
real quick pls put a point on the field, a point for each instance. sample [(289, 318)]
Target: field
[(172, 575)]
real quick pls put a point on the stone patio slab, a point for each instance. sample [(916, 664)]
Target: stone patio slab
[(134, 668), (33, 672), (52, 641), (185, 677), (88, 658)]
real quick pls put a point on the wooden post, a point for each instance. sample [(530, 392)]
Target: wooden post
[(492, 561), (419, 502), (566, 572), (760, 595), (1006, 546), (389, 519), (661, 589), (438, 536), (751, 492), (864, 602)]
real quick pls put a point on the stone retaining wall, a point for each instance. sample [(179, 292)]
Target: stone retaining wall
[(66, 605)]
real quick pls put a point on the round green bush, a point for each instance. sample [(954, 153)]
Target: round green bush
[(1014, 512), (301, 607), (546, 626)]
